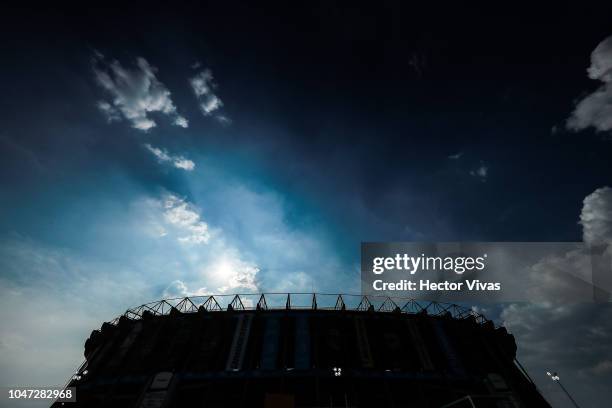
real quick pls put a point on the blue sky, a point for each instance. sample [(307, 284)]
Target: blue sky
[(101, 215), (190, 151)]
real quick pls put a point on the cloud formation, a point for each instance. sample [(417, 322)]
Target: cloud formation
[(595, 110), (231, 235), (238, 274), (481, 172), (574, 338), (134, 93), (226, 272), (596, 217), (220, 264), (203, 86), (162, 155), (579, 273), (185, 218)]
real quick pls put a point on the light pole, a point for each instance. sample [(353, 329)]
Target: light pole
[(555, 378)]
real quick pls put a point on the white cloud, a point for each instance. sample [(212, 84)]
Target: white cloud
[(238, 274), (224, 271), (596, 217), (182, 163), (185, 217), (455, 156), (203, 86), (134, 93), (219, 264), (181, 121), (202, 83), (601, 61), (595, 110), (578, 274), (162, 155), (211, 104)]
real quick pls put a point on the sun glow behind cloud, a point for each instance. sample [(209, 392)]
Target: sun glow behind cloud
[(225, 237)]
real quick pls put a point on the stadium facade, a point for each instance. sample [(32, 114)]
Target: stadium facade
[(302, 350)]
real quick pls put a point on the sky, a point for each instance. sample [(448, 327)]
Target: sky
[(159, 150)]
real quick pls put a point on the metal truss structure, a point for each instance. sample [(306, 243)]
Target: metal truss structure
[(302, 301)]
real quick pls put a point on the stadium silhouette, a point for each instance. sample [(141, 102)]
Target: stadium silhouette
[(301, 350)]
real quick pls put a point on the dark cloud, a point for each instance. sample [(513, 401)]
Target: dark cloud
[(574, 339)]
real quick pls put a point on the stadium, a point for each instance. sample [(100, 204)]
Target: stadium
[(301, 350)]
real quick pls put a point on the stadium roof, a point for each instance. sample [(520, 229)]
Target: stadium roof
[(303, 301)]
